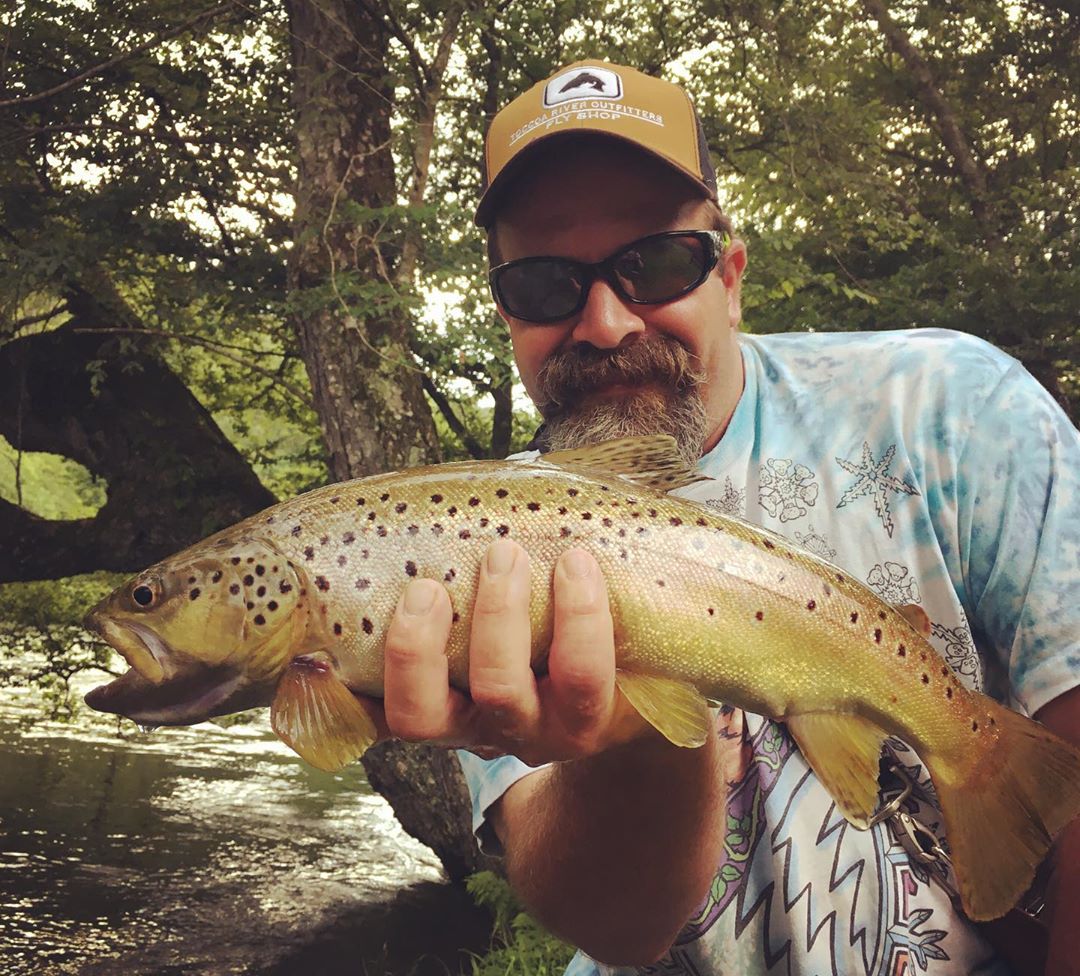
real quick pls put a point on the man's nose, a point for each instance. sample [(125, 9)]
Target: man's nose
[(606, 320)]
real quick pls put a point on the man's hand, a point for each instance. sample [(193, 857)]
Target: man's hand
[(571, 712)]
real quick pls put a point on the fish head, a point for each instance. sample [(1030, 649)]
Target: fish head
[(206, 632)]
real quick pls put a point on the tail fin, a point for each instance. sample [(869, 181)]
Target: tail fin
[(1002, 814)]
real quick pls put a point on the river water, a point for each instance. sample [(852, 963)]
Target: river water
[(204, 851)]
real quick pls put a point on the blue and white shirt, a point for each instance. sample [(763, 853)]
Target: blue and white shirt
[(933, 467)]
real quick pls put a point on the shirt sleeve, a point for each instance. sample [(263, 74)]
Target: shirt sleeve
[(488, 780), (1018, 521)]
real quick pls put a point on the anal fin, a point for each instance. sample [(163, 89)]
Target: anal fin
[(843, 751), (675, 708), (317, 717)]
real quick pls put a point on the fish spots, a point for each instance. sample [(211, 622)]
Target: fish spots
[(652, 513), (400, 507), (474, 501), (250, 605), (190, 579), (194, 594), (768, 543), (449, 575), (348, 538), (335, 499), (436, 498), (606, 523), (367, 625), (363, 583), (564, 533), (840, 578), (881, 615), (413, 530), (926, 679), (452, 511), (572, 492), (464, 534), (436, 529), (234, 589), (260, 570), (261, 591), (948, 693), (484, 523), (811, 605), (385, 496), (272, 606), (974, 725), (877, 635), (456, 617), (216, 578), (322, 583), (365, 553), (661, 583), (381, 531), (675, 520), (235, 560), (309, 553), (533, 506), (371, 516), (503, 530), (854, 616), (563, 509), (410, 568), (337, 629), (760, 615), (586, 516), (259, 619), (501, 493), (712, 611), (323, 540), (360, 502), (901, 651), (702, 522), (342, 559), (284, 587), (249, 580)]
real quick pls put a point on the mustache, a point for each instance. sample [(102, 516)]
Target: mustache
[(570, 374)]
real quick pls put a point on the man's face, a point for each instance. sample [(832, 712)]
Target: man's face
[(616, 368)]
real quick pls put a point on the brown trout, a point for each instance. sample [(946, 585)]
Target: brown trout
[(289, 608)]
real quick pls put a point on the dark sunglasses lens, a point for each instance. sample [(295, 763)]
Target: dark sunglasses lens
[(660, 268), (539, 291)]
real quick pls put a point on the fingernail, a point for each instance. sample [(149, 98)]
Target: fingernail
[(576, 564), (419, 597), (500, 558)]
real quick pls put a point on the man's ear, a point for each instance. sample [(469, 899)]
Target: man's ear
[(734, 266)]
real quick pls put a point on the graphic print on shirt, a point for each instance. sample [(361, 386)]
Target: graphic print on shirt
[(815, 543), (873, 479), (958, 649), (732, 501), (893, 584), (788, 489)]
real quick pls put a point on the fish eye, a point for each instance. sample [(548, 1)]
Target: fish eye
[(143, 595)]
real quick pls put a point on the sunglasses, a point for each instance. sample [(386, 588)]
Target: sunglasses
[(649, 271)]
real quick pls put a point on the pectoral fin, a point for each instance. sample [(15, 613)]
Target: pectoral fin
[(676, 708), (317, 717), (917, 617), (843, 750)]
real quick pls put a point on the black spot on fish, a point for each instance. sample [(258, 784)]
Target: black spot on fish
[(309, 553), (249, 580), (586, 516), (712, 611), (342, 560), (363, 583), (322, 583), (701, 521), (474, 501), (365, 553), (533, 506), (284, 587), (234, 589), (250, 605), (436, 499), (926, 679), (324, 540), (410, 568), (901, 651), (456, 617), (564, 532), (675, 520), (413, 529), (881, 615), (839, 577), (270, 520), (437, 529), (272, 605), (400, 507), (660, 583), (348, 538), (452, 511), (251, 559), (563, 509), (360, 502), (464, 534), (572, 492), (450, 574), (854, 616), (501, 493), (260, 619), (768, 543), (635, 515), (607, 523), (194, 594), (216, 578), (877, 635), (944, 672), (652, 513), (335, 499), (484, 523), (384, 496), (371, 516), (948, 692), (622, 533), (760, 615), (261, 591), (367, 625), (235, 560), (503, 529), (974, 726), (191, 579), (812, 605), (381, 531), (337, 629)]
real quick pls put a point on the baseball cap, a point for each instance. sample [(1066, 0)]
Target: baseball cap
[(596, 97)]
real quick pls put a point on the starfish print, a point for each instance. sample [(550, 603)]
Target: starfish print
[(873, 480)]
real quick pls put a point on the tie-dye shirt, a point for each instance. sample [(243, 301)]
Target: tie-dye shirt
[(934, 468)]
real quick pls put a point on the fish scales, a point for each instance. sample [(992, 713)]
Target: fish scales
[(290, 608)]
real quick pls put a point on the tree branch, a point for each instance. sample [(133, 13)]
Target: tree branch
[(470, 443), (120, 58)]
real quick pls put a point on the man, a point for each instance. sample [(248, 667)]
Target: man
[(927, 463)]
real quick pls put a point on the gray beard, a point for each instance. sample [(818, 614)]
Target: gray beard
[(665, 397), (680, 414)]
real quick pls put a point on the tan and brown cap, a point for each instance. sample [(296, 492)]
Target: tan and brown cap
[(594, 96)]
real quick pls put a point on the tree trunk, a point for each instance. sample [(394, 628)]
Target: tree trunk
[(353, 325)]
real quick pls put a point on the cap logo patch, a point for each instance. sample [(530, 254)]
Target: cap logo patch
[(582, 83)]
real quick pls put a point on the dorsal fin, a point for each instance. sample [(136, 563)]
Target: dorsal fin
[(653, 460)]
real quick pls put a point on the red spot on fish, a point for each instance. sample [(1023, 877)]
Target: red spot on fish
[(768, 544), (877, 635), (854, 616), (902, 651), (812, 605), (712, 611), (926, 679), (760, 615), (948, 692)]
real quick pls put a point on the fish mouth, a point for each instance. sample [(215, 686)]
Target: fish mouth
[(152, 691)]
